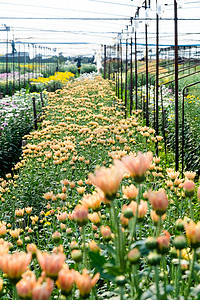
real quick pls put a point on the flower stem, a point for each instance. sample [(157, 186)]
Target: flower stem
[(191, 209), (164, 265), (157, 282), (15, 295), (121, 293), (159, 226), (133, 231), (191, 273), (119, 238), (84, 249), (178, 270), (135, 279)]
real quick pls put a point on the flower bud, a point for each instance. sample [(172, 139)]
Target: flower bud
[(80, 215), (69, 231), (134, 256), (159, 201), (154, 258), (128, 213), (189, 188), (74, 245), (180, 242), (19, 242), (76, 255), (180, 224), (120, 280), (94, 246), (27, 239), (56, 236), (151, 243), (163, 242), (173, 252), (106, 233)]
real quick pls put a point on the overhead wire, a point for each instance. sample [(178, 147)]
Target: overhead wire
[(99, 19), (63, 31), (107, 2), (69, 9), (95, 18)]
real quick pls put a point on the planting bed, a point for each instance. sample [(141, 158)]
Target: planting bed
[(125, 230)]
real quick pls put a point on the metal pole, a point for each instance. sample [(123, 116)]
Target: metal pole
[(19, 69), (7, 64), (45, 62), (147, 91), (154, 105), (35, 49), (176, 85), (157, 70), (13, 90), (33, 61), (24, 64), (126, 75), (121, 69), (189, 57), (118, 69), (109, 62), (136, 87), (49, 64), (116, 72), (131, 75), (42, 101), (104, 62), (28, 64), (34, 113)]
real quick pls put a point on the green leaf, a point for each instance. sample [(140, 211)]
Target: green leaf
[(141, 245), (109, 249)]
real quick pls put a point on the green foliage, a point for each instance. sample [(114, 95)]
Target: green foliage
[(16, 120), (69, 68), (88, 68), (84, 127)]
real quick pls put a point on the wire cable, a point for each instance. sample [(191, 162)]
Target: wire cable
[(67, 9), (112, 3), (96, 19)]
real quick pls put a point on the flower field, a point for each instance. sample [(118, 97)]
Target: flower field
[(52, 82), (91, 212), (15, 81), (16, 119)]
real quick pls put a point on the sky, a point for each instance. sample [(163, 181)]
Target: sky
[(85, 37)]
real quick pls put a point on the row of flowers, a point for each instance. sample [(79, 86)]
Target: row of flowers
[(126, 229), (16, 119), (62, 77), (16, 76)]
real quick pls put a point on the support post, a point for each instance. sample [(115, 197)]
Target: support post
[(19, 69), (118, 69), (157, 71), (131, 74), (104, 76), (109, 63), (176, 84), (136, 87), (34, 113), (42, 101), (126, 72), (7, 64), (121, 69), (147, 89)]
